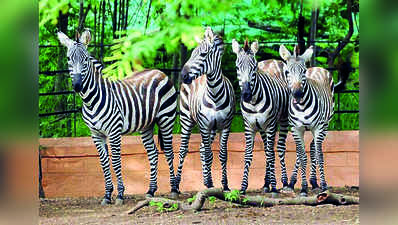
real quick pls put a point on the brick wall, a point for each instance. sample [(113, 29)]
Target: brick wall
[(71, 165)]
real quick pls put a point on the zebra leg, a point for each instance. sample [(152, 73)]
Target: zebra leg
[(100, 143), (223, 156), (298, 135), (166, 125), (209, 153), (186, 128), (313, 180), (249, 136), (319, 138), (293, 178), (152, 152), (205, 159), (281, 148), (270, 154), (267, 169), (114, 141)]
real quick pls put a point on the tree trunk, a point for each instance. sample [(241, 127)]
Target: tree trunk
[(347, 38), (61, 81), (127, 14), (120, 15), (314, 19), (114, 16), (176, 67), (300, 30), (147, 15), (82, 15), (102, 31), (95, 31), (183, 59)]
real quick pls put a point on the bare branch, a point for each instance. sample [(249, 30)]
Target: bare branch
[(347, 38)]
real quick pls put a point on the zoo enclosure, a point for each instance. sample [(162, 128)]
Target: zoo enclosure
[(73, 109)]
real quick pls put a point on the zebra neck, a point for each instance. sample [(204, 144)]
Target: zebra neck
[(93, 84), (256, 89), (214, 81)]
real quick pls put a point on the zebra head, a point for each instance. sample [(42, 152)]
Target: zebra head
[(205, 59), (78, 57), (295, 70), (246, 67)]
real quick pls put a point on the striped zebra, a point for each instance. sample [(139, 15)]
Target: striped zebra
[(310, 108), (264, 105), (114, 108), (207, 99)]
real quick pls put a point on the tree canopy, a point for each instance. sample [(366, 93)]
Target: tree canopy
[(131, 35)]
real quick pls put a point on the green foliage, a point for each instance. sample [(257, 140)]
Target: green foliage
[(232, 195), (212, 199), (155, 31), (168, 29), (161, 208), (190, 200)]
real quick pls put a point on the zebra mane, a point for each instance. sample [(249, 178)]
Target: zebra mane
[(97, 64), (246, 47)]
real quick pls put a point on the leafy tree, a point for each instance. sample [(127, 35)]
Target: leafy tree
[(129, 35)]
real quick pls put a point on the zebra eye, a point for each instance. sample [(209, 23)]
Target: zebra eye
[(286, 72), (237, 68)]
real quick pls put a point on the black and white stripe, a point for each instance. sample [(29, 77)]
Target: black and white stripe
[(264, 105), (310, 108), (113, 108), (207, 99)]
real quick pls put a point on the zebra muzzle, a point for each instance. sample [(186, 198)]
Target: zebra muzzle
[(246, 92), (77, 82)]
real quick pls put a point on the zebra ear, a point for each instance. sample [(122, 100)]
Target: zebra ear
[(307, 54), (235, 46), (85, 37), (197, 39), (209, 35), (65, 40), (284, 53), (254, 47)]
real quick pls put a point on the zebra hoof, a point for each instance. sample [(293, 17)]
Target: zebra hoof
[(149, 195), (106, 201), (266, 190), (226, 189), (287, 189), (174, 195), (119, 201)]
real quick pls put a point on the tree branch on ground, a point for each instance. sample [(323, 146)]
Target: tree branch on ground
[(255, 201)]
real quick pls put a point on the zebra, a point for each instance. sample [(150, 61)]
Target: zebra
[(207, 99), (114, 108), (310, 108), (264, 105)]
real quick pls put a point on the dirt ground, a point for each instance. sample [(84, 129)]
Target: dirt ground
[(89, 211)]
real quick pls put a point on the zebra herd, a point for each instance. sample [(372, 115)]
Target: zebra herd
[(274, 93)]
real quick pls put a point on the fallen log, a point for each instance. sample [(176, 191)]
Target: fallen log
[(256, 201)]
